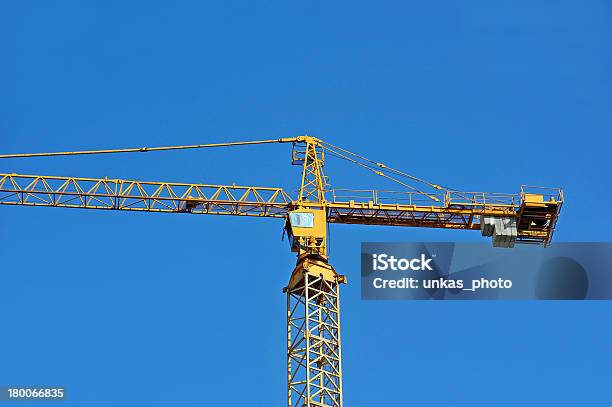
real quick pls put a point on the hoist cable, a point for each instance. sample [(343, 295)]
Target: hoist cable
[(383, 166), (379, 173)]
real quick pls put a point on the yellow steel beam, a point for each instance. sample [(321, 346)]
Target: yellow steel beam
[(454, 210), (129, 195)]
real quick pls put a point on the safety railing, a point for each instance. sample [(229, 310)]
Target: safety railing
[(481, 199), (548, 194), (441, 199), (387, 197)]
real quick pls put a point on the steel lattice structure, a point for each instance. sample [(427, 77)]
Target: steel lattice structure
[(314, 373), (128, 195), (454, 211), (314, 361), (313, 339)]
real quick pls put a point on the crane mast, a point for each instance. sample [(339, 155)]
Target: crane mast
[(314, 372), (314, 357)]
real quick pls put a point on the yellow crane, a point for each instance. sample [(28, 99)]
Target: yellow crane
[(314, 374)]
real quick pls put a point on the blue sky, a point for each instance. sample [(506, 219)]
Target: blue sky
[(157, 310)]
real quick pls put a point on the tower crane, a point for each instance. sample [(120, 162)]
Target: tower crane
[(314, 374)]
